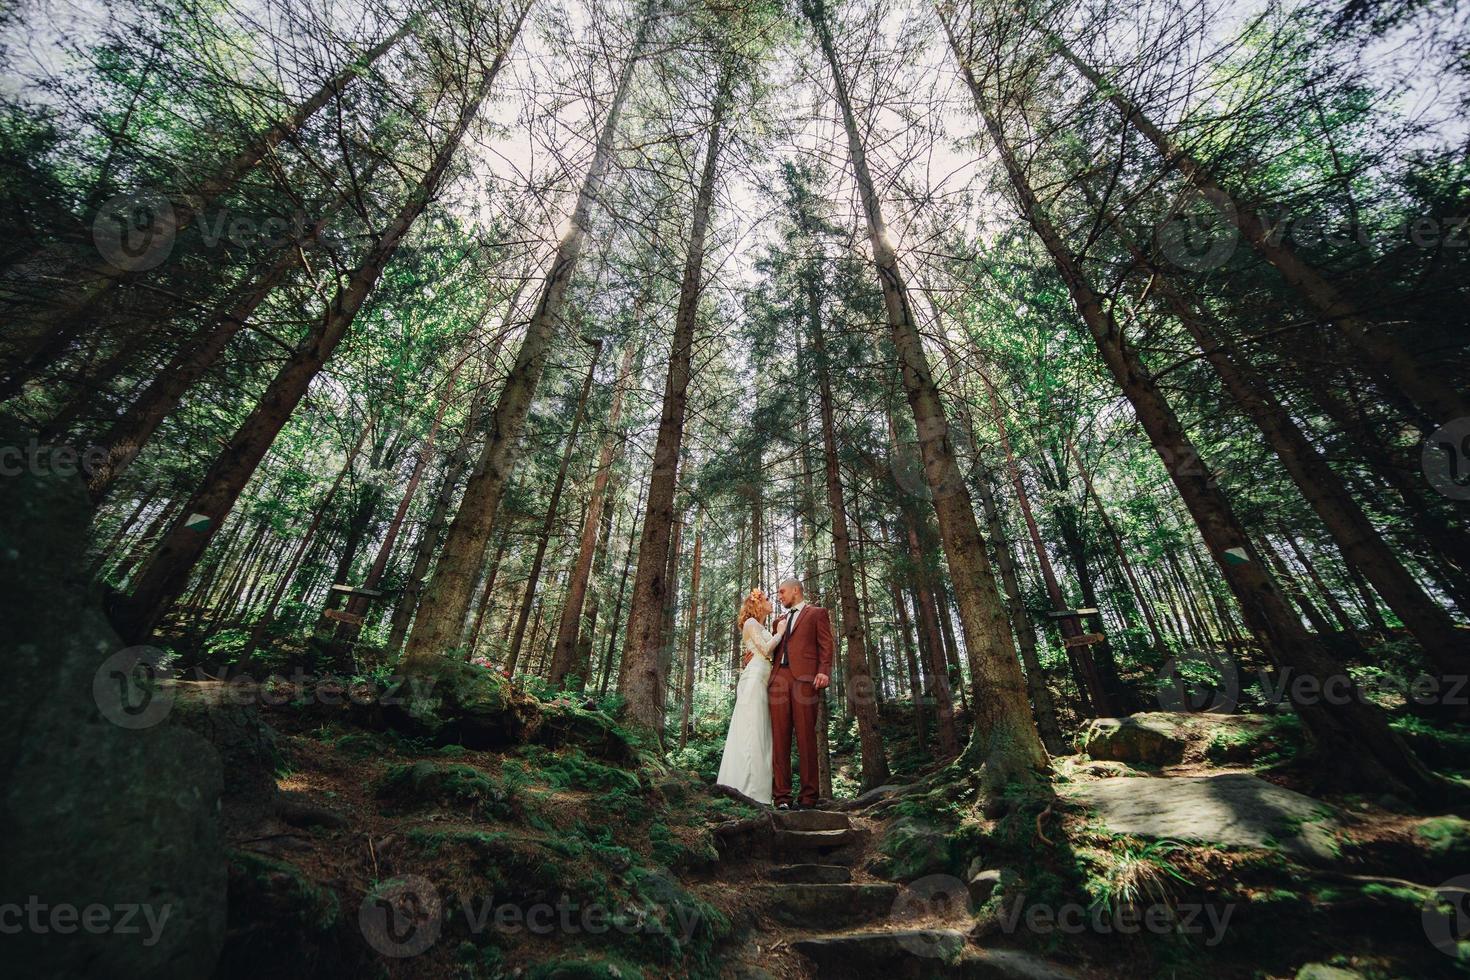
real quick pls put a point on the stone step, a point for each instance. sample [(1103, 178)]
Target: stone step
[(815, 840), (828, 906), (921, 954), (907, 953), (810, 820), (811, 874)]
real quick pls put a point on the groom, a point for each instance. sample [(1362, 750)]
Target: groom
[(801, 668)]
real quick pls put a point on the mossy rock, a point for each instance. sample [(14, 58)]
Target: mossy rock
[(1139, 739), (912, 848), (564, 723), (585, 969), (1321, 971), (452, 701), (513, 867), (1445, 838), (282, 923), (413, 784), (265, 882), (573, 769)]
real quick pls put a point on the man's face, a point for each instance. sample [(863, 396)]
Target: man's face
[(790, 594)]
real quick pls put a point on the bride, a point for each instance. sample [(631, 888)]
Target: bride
[(746, 764)]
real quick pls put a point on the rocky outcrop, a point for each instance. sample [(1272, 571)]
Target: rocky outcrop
[(109, 828)]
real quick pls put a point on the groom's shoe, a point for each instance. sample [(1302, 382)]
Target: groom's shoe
[(783, 806)]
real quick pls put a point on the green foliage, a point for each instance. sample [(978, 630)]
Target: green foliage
[(415, 784)]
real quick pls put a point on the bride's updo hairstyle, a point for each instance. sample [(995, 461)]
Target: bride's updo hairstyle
[(751, 607)]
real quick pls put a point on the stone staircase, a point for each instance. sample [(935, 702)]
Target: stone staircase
[(846, 928)]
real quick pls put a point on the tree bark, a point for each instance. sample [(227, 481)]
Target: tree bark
[(1352, 741), (860, 694), (564, 655), (1004, 744), (447, 599), (1440, 402), (167, 571), (641, 677)]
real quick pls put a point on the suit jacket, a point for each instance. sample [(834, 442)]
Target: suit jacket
[(808, 645)]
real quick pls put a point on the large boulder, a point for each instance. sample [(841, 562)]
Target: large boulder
[(109, 830), (1138, 740), (1232, 809)]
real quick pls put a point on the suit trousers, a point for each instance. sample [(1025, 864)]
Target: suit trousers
[(793, 703)]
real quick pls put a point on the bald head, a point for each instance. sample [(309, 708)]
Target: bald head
[(790, 591)]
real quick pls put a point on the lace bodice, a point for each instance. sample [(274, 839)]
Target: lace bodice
[(757, 639)]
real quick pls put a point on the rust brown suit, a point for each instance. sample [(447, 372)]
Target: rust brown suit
[(805, 651)]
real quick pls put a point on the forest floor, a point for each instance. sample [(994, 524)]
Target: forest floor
[(578, 855)]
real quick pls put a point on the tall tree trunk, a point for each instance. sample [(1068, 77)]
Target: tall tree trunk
[(1089, 685), (1354, 533), (612, 634), (552, 507), (916, 682), (167, 571), (1352, 741), (53, 332), (1438, 401), (1004, 744), (268, 616), (1121, 553), (447, 599), (564, 655), (859, 683), (687, 712), (347, 631), (641, 678)]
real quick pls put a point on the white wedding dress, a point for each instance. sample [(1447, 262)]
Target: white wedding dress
[(746, 764)]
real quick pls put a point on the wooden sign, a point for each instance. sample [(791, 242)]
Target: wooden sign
[(351, 619), (1068, 613), (350, 590), (1086, 639)]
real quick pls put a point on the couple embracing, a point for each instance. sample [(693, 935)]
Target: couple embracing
[(783, 673)]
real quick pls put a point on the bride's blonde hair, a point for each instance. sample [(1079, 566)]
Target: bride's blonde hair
[(749, 608)]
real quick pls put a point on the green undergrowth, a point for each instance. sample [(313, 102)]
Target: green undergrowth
[(573, 813)]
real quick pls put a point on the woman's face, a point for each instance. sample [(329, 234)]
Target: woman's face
[(763, 608)]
